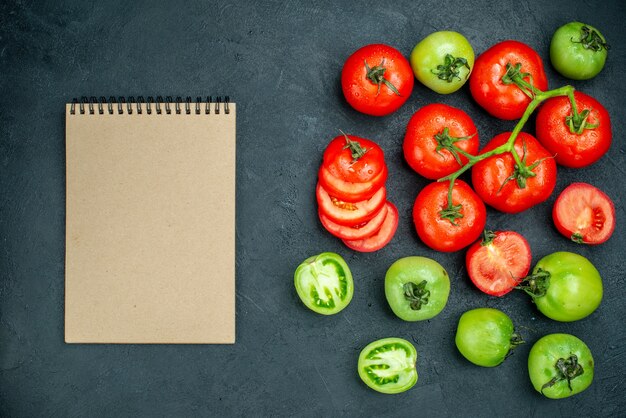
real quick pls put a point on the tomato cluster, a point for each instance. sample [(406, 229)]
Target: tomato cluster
[(351, 194), (513, 172)]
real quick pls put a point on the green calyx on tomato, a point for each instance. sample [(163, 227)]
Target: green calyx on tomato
[(324, 283), (451, 68), (416, 288), (377, 76), (566, 370), (565, 286), (486, 336), (443, 61), (514, 75), (356, 150), (447, 142), (388, 365), (578, 51), (560, 365)]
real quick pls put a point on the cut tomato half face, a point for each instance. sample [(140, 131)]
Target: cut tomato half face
[(584, 214), (360, 231), (498, 262), (381, 238), (349, 213), (348, 191)]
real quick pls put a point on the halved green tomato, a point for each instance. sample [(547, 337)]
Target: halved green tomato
[(324, 283), (388, 365), (416, 288)]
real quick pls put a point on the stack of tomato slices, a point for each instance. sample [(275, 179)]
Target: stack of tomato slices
[(351, 194)]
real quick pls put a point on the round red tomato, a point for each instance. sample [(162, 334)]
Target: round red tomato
[(498, 262), (495, 181), (500, 97), (450, 233), (433, 131), (360, 231), (574, 144), (381, 237), (353, 168), (349, 213), (353, 159), (584, 213), (377, 80)]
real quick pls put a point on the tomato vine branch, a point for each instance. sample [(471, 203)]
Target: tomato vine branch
[(522, 171)]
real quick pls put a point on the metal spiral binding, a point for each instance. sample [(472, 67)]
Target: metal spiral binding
[(121, 105)]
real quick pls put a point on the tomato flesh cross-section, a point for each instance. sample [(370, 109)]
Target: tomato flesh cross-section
[(379, 239), (584, 213), (388, 365), (324, 283), (498, 262), (349, 213)]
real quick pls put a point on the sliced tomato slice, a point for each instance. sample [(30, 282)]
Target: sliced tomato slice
[(379, 239), (348, 191), (584, 213), (360, 231), (349, 213), (498, 262)]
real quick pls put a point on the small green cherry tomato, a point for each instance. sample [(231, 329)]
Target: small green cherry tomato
[(324, 283), (565, 286), (578, 51), (560, 365), (485, 336), (388, 365), (443, 61), (416, 288)]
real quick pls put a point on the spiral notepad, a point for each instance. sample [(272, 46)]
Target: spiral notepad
[(150, 220)]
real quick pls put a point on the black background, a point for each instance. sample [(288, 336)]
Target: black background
[(281, 63)]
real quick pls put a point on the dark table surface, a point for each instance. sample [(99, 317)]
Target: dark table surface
[(281, 63)]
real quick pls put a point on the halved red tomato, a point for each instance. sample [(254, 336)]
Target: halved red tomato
[(584, 213), (498, 262), (360, 231), (349, 213), (348, 191), (379, 239)]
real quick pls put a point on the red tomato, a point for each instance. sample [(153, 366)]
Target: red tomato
[(581, 147), (426, 133), (353, 159), (377, 80), (360, 231), (498, 262), (379, 239), (351, 192), (584, 213), (493, 177), (440, 233), (506, 101), (349, 213)]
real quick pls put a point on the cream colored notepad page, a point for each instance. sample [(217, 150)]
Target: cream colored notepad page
[(150, 227)]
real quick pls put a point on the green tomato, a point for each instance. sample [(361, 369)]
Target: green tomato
[(578, 51), (416, 288), (560, 365), (443, 61), (565, 286), (388, 365), (324, 283), (485, 336)]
